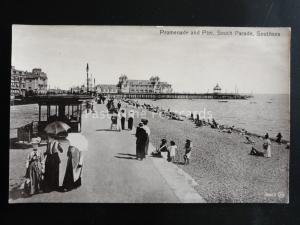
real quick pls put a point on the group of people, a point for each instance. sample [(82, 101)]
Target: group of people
[(172, 150), (42, 168), (119, 116)]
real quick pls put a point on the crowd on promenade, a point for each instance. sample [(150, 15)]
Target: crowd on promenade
[(142, 134)]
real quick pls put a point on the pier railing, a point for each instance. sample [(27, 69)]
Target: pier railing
[(177, 95)]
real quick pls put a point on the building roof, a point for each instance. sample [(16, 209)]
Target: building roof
[(107, 86), (217, 87)]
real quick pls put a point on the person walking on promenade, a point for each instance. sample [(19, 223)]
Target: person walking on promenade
[(141, 138), (130, 119), (119, 105), (52, 161), (34, 170), (172, 150), (188, 149), (73, 173), (123, 118), (147, 129)]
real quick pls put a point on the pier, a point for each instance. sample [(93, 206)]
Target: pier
[(177, 95)]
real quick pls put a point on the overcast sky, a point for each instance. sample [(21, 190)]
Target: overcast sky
[(190, 63)]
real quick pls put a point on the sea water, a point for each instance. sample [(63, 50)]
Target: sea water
[(261, 114)]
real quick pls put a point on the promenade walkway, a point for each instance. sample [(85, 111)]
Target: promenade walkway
[(111, 174)]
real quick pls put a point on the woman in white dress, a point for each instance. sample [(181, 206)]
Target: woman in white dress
[(267, 146)]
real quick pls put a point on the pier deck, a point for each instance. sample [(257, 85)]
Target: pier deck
[(111, 173)]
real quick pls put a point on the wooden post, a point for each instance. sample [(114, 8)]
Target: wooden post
[(39, 112)]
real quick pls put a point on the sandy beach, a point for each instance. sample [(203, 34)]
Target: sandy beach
[(221, 164)]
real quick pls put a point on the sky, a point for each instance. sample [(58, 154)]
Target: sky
[(191, 63)]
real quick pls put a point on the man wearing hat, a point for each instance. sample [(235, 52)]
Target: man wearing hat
[(147, 129), (141, 138)]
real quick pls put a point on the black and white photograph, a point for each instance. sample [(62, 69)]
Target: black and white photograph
[(149, 114)]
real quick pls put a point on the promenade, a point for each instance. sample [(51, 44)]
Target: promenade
[(111, 174)]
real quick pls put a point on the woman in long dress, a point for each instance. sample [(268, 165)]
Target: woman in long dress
[(267, 146), (73, 173), (34, 170), (52, 161), (141, 138)]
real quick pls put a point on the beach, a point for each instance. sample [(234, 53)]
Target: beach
[(221, 164)]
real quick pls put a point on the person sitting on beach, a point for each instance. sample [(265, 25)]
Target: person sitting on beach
[(188, 149), (162, 148), (255, 152), (279, 137), (214, 124), (266, 147), (248, 140), (172, 151)]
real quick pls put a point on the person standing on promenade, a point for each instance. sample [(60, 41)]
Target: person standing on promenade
[(188, 150), (130, 119), (147, 129), (119, 105), (73, 173), (34, 170), (52, 161), (123, 118), (141, 138)]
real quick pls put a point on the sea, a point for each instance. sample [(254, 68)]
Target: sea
[(264, 113), (261, 114)]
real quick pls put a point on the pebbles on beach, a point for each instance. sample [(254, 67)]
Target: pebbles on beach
[(221, 165)]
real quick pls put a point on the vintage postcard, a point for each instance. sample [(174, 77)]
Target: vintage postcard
[(149, 114)]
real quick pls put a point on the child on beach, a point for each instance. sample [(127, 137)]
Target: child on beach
[(172, 151), (188, 149)]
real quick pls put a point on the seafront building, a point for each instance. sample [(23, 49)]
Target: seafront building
[(106, 88), (24, 81), (153, 85)]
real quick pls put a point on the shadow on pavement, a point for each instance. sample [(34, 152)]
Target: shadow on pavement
[(124, 157), (133, 155), (107, 130)]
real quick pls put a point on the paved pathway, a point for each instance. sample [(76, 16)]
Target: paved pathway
[(112, 174)]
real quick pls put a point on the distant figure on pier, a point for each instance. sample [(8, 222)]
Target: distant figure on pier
[(188, 150), (279, 137), (141, 139), (130, 119), (147, 129)]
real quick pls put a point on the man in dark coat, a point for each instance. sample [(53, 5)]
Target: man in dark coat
[(141, 138)]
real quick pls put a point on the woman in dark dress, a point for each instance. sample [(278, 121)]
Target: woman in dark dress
[(73, 173), (141, 138), (52, 161)]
